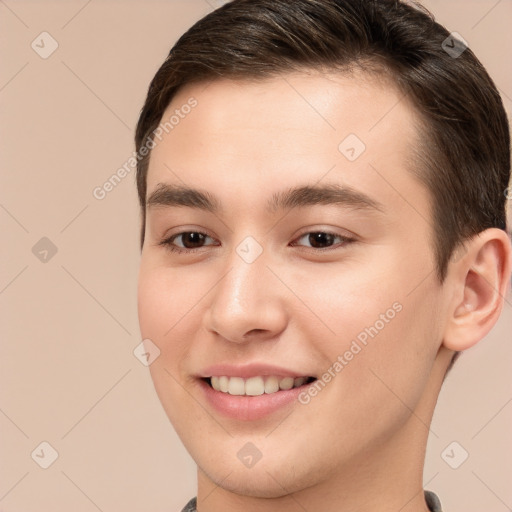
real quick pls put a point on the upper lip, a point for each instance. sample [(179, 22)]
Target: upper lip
[(249, 370)]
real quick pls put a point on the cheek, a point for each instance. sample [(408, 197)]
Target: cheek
[(385, 335), (160, 299), (151, 303), (158, 314), (161, 304), (168, 302), (349, 304), (391, 371)]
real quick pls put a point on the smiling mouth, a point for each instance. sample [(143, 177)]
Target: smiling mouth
[(255, 386)]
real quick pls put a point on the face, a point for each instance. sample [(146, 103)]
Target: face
[(337, 285)]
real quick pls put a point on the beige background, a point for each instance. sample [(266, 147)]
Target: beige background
[(69, 326)]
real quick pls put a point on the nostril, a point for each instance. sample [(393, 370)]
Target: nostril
[(254, 331)]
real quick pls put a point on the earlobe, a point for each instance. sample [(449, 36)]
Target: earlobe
[(481, 280)]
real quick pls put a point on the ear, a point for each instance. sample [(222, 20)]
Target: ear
[(480, 282)]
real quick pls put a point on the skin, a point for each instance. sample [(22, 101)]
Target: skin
[(359, 445)]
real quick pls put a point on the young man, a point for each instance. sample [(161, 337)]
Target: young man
[(323, 191)]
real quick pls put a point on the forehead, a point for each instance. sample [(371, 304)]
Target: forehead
[(246, 140)]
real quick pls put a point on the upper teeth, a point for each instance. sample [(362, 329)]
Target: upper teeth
[(255, 386)]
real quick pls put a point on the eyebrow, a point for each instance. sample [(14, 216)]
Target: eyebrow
[(167, 195)]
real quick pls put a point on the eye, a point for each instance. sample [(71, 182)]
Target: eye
[(192, 240), (319, 238)]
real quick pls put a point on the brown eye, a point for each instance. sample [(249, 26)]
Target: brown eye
[(190, 241), (321, 239)]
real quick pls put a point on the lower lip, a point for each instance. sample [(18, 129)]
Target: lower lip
[(250, 408)]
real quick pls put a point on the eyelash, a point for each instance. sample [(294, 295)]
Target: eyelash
[(168, 242)]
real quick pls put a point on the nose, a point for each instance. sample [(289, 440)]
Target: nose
[(247, 303)]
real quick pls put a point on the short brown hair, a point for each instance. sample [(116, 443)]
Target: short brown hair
[(464, 156)]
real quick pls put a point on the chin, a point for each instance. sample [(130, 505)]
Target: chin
[(257, 483), (269, 478)]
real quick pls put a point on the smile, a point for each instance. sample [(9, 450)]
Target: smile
[(243, 406), (256, 386)]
